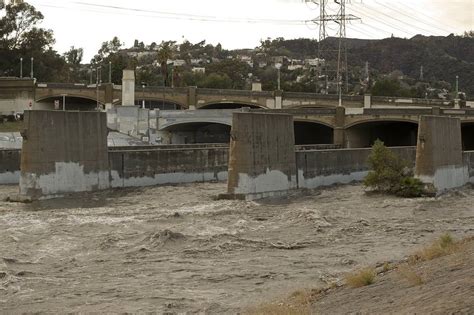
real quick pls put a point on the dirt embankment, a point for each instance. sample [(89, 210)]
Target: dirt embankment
[(434, 280)]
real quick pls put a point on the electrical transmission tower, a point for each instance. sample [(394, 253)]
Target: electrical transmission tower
[(333, 12)]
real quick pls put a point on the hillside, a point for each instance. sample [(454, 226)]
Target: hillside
[(442, 58)]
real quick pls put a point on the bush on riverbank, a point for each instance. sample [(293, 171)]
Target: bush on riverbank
[(391, 174)]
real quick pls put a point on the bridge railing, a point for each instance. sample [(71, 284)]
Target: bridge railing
[(300, 111), (162, 89), (458, 112), (65, 85), (330, 97), (234, 92), (398, 111), (170, 147), (404, 101)]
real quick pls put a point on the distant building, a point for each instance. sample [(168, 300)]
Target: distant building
[(316, 62), (294, 67), (143, 54), (199, 70), (177, 62), (196, 61), (245, 58)]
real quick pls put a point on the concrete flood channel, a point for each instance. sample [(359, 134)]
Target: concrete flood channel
[(175, 249)]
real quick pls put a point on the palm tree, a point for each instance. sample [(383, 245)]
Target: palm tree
[(164, 54)]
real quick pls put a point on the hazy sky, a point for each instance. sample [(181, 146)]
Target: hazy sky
[(87, 23)]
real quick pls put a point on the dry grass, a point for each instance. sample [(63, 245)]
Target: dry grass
[(299, 302), (410, 275), (386, 267), (280, 309), (444, 245), (361, 278)]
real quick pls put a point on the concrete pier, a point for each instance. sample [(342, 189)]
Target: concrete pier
[(262, 156), (439, 157), (63, 152)]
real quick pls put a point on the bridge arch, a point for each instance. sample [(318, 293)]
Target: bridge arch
[(467, 134), (313, 132), (228, 104), (73, 102), (196, 132), (393, 132)]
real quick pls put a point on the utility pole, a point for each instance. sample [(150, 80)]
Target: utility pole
[(421, 73), (278, 67), (110, 71), (367, 73), (456, 97), (32, 61), (457, 86), (21, 68), (97, 85)]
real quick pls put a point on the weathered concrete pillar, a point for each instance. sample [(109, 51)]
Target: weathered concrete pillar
[(192, 97), (128, 88), (63, 152), (278, 99), (436, 111), (339, 130), (439, 159), (262, 156), (367, 101), (109, 95), (256, 86)]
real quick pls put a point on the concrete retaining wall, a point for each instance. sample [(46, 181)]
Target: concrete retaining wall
[(168, 166), (9, 166), (328, 167), (468, 159)]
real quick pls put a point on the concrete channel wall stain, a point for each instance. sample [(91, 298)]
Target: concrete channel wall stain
[(63, 152), (10, 166), (262, 156), (439, 159), (327, 167), (168, 166)]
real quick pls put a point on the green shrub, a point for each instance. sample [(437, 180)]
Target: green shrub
[(410, 187), (390, 174)]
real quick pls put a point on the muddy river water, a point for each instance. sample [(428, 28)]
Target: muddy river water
[(175, 249)]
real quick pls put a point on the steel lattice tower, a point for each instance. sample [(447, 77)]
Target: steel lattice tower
[(337, 16)]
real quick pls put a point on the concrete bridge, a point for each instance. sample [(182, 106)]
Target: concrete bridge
[(346, 127), (16, 95), (194, 115)]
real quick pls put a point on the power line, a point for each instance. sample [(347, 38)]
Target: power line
[(404, 14), (418, 13), (396, 19), (370, 17), (173, 15)]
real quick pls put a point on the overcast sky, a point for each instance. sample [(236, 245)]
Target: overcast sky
[(87, 23)]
